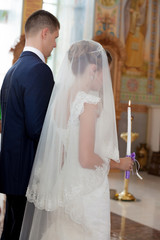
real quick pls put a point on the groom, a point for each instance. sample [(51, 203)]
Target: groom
[(25, 95)]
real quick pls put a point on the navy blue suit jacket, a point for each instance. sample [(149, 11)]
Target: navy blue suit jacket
[(25, 95)]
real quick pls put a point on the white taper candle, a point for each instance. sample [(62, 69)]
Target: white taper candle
[(129, 128)]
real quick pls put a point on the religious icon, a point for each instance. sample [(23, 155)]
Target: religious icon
[(135, 36)]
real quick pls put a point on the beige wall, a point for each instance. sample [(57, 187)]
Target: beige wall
[(29, 6)]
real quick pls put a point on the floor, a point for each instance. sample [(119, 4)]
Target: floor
[(126, 229), (132, 220), (138, 219)]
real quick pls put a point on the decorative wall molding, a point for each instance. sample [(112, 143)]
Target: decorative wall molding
[(116, 48), (18, 48)]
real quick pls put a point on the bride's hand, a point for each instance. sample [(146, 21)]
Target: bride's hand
[(126, 163)]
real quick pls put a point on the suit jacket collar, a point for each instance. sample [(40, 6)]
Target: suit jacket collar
[(29, 53), (36, 51)]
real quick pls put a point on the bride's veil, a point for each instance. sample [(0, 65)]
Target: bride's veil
[(58, 182)]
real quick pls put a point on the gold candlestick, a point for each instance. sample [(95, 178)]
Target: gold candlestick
[(125, 195)]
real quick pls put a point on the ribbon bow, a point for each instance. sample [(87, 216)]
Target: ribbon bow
[(133, 157)]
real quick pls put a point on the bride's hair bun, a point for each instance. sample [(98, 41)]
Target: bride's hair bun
[(83, 53)]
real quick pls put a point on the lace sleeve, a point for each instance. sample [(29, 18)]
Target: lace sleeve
[(78, 105)]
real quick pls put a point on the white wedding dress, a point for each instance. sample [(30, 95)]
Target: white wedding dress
[(96, 218), (83, 210)]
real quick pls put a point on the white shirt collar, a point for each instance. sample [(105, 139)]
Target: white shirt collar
[(36, 51)]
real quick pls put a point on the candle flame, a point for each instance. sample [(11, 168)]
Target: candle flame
[(129, 103)]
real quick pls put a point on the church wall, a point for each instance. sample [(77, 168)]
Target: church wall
[(137, 24)]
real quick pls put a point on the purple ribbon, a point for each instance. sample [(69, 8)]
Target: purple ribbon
[(133, 156)]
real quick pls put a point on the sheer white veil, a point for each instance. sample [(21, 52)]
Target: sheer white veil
[(57, 179)]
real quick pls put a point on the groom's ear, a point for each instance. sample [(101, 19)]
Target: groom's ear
[(44, 33)]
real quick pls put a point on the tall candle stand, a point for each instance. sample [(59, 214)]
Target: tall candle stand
[(125, 195)]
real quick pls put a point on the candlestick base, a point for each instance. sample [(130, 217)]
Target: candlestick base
[(134, 136), (124, 196)]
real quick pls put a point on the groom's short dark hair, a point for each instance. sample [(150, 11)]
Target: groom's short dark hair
[(39, 20)]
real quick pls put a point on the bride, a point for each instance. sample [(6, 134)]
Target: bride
[(68, 192)]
